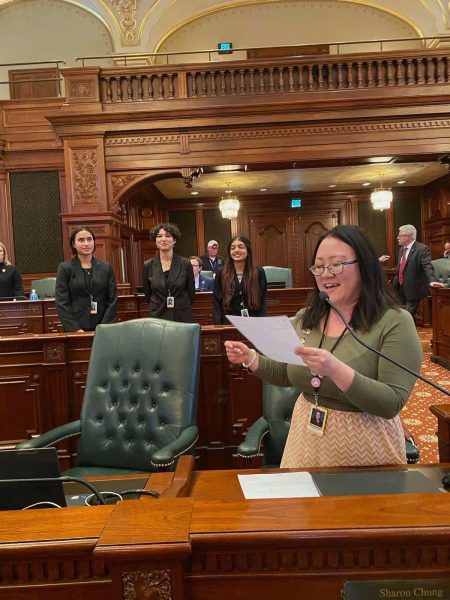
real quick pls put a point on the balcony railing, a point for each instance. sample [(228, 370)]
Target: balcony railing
[(275, 77)]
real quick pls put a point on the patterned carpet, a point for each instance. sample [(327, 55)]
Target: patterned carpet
[(416, 415)]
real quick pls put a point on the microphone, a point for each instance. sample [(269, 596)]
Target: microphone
[(325, 297)]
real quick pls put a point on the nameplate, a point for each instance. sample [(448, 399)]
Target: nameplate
[(415, 589)]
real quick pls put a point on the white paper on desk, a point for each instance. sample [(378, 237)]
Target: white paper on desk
[(278, 485), (274, 337)]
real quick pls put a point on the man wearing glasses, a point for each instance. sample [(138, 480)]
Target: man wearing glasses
[(415, 273)]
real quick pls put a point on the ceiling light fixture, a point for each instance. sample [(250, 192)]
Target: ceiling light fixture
[(333, 185), (381, 197), (401, 182), (366, 183), (229, 205), (195, 193)]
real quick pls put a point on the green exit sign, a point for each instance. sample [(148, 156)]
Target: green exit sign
[(296, 203)]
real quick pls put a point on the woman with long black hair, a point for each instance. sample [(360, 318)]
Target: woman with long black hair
[(240, 287)]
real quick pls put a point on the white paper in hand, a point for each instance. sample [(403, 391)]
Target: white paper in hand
[(274, 337)]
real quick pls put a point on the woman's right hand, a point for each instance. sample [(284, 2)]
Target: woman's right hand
[(238, 353)]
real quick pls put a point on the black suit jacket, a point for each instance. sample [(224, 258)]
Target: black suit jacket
[(235, 306), (418, 273), (72, 296), (180, 283)]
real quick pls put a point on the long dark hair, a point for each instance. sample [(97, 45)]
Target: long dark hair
[(250, 283), (73, 235), (375, 295)]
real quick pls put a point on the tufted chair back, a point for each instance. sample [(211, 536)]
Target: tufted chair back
[(141, 394), (279, 274), (441, 268)]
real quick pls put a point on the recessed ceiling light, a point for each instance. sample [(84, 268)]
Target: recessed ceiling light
[(401, 182), (332, 185), (195, 193), (263, 190), (366, 183)]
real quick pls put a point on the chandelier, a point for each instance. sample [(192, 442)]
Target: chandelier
[(229, 205), (381, 197)]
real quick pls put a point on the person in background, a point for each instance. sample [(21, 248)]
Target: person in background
[(86, 292), (211, 260), (359, 394), (447, 250), (168, 279), (415, 273), (11, 285), (203, 283), (240, 288)]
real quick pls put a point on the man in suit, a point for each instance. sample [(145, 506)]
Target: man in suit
[(203, 283), (415, 273)]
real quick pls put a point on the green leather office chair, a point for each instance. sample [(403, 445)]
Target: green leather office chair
[(441, 268), (272, 428), (45, 288), (140, 403), (278, 275)]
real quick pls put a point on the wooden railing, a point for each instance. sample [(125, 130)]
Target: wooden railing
[(275, 77)]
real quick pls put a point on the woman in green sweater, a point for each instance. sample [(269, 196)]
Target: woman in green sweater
[(358, 394)]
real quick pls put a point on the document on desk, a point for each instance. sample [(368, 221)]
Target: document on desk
[(278, 485), (274, 337)]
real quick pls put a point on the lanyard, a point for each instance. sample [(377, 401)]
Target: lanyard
[(316, 380), (89, 282)]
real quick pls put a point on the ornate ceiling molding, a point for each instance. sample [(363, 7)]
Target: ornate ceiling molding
[(126, 13)]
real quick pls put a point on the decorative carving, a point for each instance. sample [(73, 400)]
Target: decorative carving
[(312, 559), (211, 345), (142, 139), (147, 585), (126, 10), (82, 89), (85, 176), (43, 571), (53, 352), (120, 181)]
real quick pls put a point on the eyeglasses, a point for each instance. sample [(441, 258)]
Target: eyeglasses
[(334, 268)]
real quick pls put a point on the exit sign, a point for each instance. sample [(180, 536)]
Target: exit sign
[(296, 203)]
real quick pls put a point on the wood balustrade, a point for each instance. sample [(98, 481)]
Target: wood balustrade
[(275, 77)]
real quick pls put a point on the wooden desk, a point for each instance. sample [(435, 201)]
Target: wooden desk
[(214, 544), (25, 316)]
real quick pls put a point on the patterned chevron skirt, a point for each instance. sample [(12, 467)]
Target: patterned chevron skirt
[(349, 439)]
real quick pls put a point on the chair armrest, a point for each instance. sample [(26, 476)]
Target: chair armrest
[(52, 437), (250, 447), (165, 456)]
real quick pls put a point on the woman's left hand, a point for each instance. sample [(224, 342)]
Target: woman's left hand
[(323, 363), (319, 361)]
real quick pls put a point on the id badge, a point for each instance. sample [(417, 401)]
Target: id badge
[(170, 302), (317, 420), (93, 310), (244, 312)]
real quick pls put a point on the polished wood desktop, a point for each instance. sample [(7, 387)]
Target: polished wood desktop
[(201, 539)]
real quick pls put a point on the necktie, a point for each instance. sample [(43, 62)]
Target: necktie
[(402, 267)]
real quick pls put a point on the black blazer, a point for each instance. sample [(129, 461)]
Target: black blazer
[(73, 298), (235, 306), (180, 283), (11, 285), (418, 273)]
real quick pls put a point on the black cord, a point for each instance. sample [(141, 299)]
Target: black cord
[(109, 497)]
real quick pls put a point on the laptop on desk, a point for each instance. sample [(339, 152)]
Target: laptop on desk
[(32, 463)]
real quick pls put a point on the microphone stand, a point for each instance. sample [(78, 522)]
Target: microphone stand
[(324, 296)]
